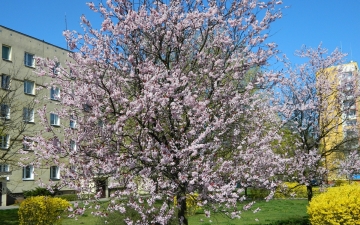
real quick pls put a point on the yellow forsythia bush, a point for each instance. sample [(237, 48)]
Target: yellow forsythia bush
[(42, 210), (191, 203), (339, 205)]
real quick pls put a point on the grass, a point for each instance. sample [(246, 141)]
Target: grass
[(9, 217), (274, 212), (277, 211)]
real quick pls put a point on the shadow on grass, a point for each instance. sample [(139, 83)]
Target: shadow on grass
[(292, 221), (9, 217)]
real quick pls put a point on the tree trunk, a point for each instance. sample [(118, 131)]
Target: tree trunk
[(309, 192), (182, 210)]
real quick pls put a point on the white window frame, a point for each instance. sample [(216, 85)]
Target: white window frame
[(73, 145), (351, 122), (8, 58), (5, 111), (29, 87), (29, 60), (25, 175), (27, 147), (4, 168), (72, 122), (5, 141), (54, 119), (54, 173), (55, 68), (28, 115), (55, 93), (5, 81), (351, 113)]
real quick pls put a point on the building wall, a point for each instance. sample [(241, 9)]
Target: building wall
[(343, 115), (14, 67)]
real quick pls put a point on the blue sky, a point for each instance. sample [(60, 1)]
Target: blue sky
[(335, 23)]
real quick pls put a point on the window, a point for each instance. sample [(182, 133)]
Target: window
[(29, 87), (351, 122), (352, 140), (56, 68), (56, 143), (6, 52), (72, 76), (73, 122), (54, 119), (4, 168), (72, 145), (347, 75), (55, 93), (349, 86), (54, 173), (29, 60), (28, 173), (352, 112), (350, 134), (28, 115), (86, 107), (27, 144), (4, 111), (349, 103), (73, 169), (5, 82), (101, 123), (4, 141)]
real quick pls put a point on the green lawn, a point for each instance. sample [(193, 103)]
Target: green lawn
[(280, 211), (276, 212), (9, 217)]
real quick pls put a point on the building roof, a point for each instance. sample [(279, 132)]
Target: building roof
[(1, 26)]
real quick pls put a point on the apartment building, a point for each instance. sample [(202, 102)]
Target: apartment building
[(342, 116), (22, 94)]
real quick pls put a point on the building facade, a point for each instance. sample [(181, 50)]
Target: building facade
[(340, 117), (22, 94)]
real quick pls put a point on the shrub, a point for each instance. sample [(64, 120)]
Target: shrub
[(38, 191), (339, 183), (258, 193), (294, 190), (42, 210), (69, 197), (339, 205), (191, 203)]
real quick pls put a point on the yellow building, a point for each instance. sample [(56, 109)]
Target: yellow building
[(339, 113)]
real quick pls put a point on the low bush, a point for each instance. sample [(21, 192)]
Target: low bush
[(38, 191), (339, 205), (42, 210), (191, 203), (258, 193), (69, 197), (294, 190), (75, 197)]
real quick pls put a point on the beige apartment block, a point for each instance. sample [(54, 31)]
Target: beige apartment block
[(22, 93)]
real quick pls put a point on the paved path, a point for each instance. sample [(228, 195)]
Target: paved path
[(9, 207)]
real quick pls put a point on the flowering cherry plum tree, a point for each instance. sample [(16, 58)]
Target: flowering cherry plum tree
[(162, 105), (315, 110)]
